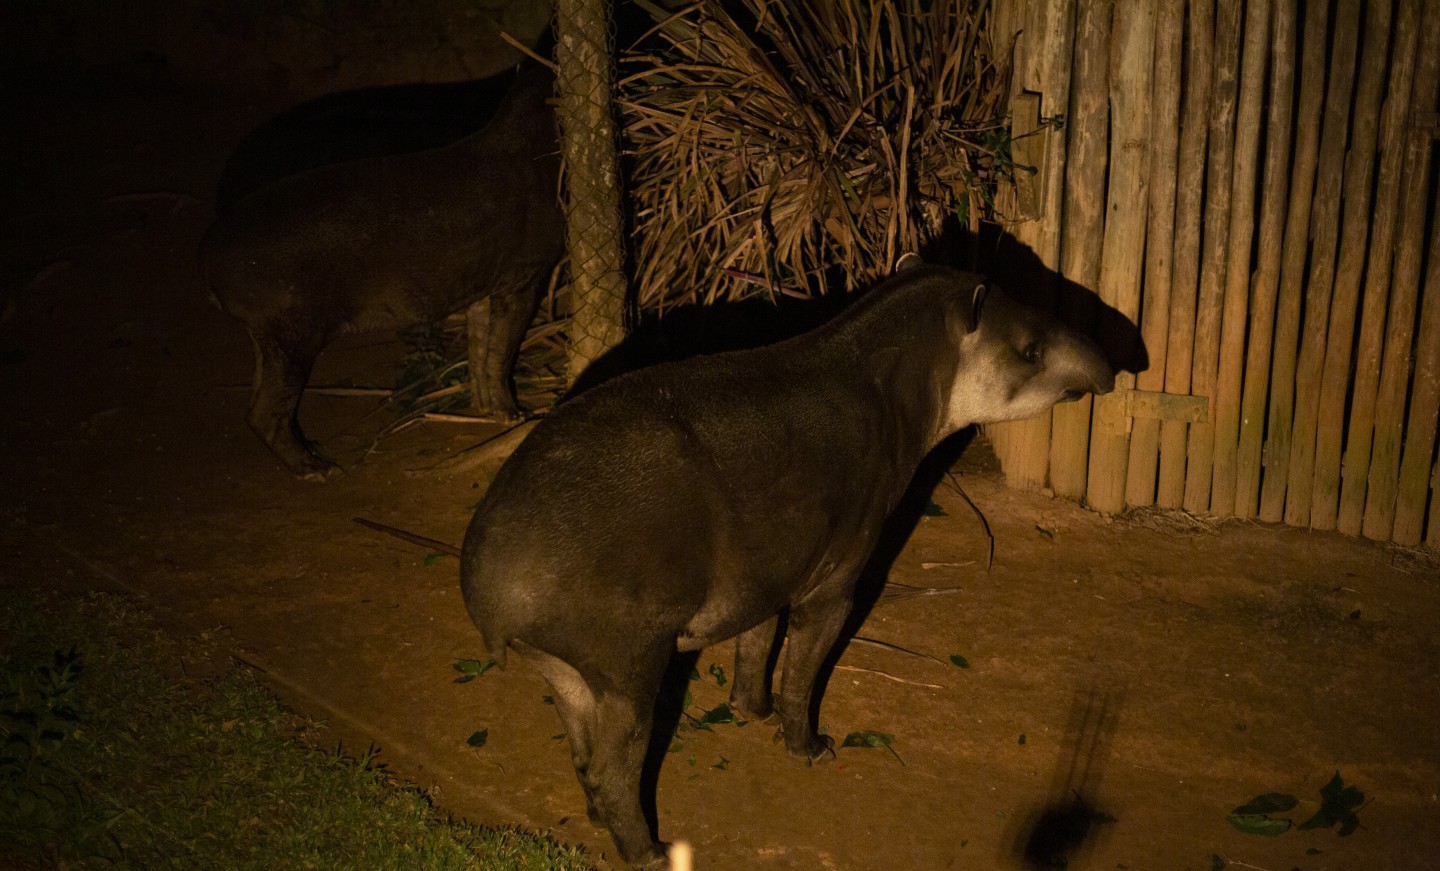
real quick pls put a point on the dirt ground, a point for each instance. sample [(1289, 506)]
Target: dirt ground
[(1161, 670)]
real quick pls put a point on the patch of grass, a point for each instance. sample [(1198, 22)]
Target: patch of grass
[(114, 752)]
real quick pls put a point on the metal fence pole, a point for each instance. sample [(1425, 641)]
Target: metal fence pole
[(592, 180)]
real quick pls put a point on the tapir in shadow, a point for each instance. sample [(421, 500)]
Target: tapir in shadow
[(393, 241), (680, 505)]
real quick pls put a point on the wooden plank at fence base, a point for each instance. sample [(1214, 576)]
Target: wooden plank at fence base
[(1355, 231), (1416, 464), (1276, 454), (1084, 220), (1383, 481), (1324, 232), (1356, 465), (1242, 236), (1122, 258), (1275, 184), (1220, 163), (1142, 466), (1189, 191)]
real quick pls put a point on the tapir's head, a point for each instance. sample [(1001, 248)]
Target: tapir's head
[(1015, 361)]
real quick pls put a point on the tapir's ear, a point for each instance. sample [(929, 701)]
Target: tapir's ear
[(908, 261), (972, 311)]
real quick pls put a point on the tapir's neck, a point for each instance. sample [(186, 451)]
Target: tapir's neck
[(909, 374), (524, 123)]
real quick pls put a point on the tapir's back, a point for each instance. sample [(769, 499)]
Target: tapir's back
[(401, 238)]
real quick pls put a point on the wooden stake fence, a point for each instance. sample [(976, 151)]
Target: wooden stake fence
[(1292, 265), (1123, 250), (1087, 129), (1404, 288), (1142, 466), (1294, 350), (1267, 278), (1356, 463)]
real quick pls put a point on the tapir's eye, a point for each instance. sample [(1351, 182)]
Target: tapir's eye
[(1032, 352)]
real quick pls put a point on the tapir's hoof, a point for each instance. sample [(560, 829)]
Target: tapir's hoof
[(754, 709), (319, 476), (316, 470), (502, 413), (308, 466), (812, 750), (653, 857)]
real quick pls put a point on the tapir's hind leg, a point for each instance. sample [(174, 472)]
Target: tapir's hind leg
[(609, 717), (280, 375), (750, 689), (623, 724), (576, 705), (495, 327)]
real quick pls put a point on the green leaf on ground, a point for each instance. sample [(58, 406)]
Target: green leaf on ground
[(472, 668), (871, 739), (479, 738), (721, 713), (1259, 824), (1269, 803), (959, 660)]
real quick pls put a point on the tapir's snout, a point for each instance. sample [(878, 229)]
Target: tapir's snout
[(1089, 370), (1104, 383)]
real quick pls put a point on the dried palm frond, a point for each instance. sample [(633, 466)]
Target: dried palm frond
[(778, 144)]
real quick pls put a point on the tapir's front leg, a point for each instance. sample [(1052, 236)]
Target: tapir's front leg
[(814, 626), (495, 327)]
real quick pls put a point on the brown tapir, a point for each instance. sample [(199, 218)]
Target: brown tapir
[(393, 241), (677, 506)]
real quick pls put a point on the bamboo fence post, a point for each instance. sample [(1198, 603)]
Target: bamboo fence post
[(1354, 233), (1324, 233), (1230, 373), (1046, 43), (1122, 257), (1084, 220), (1199, 450), (1356, 464), (1276, 452), (1189, 195), (1417, 465), (1140, 473), (1405, 284), (1275, 184)]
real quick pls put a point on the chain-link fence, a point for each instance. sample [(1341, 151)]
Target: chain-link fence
[(598, 290)]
